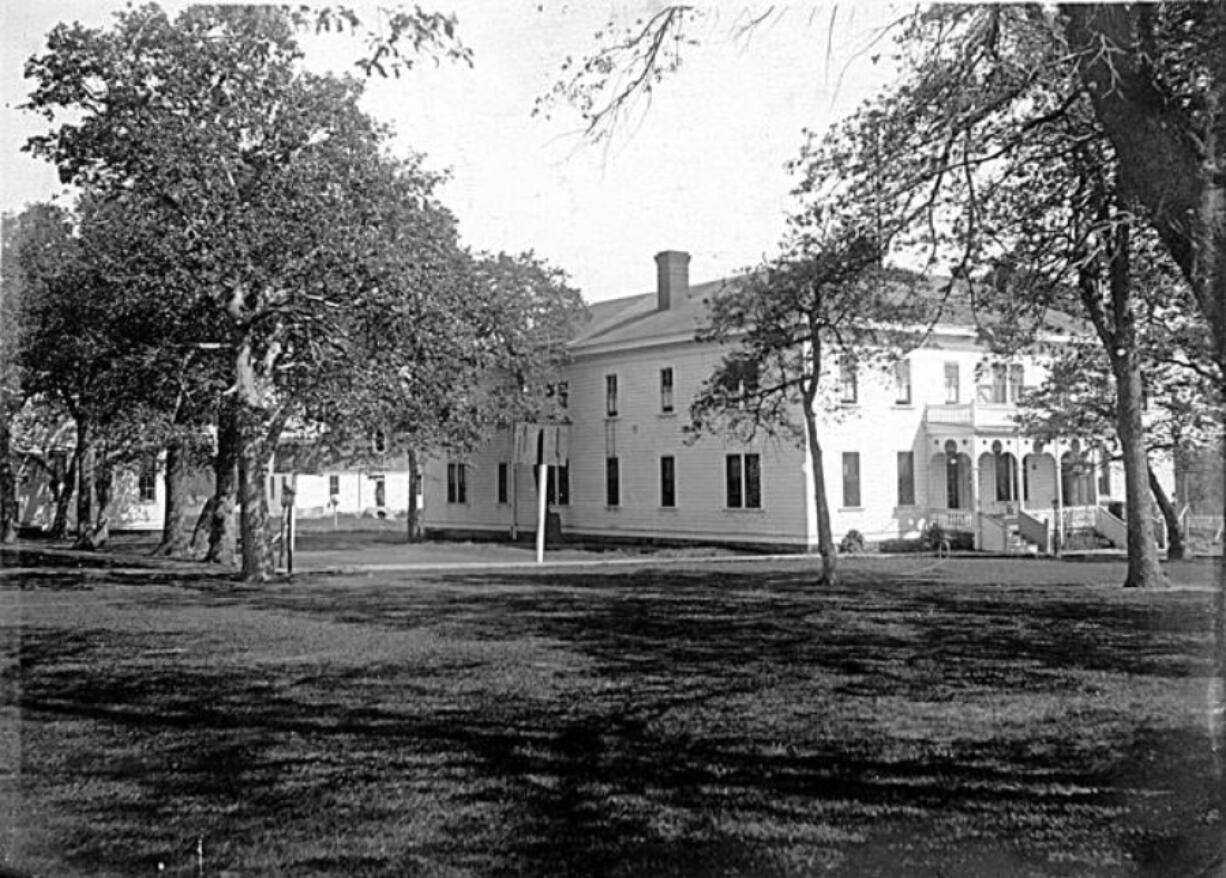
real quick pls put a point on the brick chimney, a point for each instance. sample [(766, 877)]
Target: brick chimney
[(672, 277)]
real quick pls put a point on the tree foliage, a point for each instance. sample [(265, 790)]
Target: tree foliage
[(293, 227)]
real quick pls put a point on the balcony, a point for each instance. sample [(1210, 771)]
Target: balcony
[(975, 414)]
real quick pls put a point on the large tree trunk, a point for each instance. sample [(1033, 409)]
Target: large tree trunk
[(86, 484), (414, 523), (63, 492), (8, 482), (176, 538), (222, 522), (825, 537), (1175, 547), (99, 531), (257, 558), (1144, 569)]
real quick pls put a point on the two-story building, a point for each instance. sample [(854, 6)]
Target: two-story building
[(934, 440)]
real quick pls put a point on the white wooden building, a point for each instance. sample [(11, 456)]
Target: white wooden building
[(933, 441)]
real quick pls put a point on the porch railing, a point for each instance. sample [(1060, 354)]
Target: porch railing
[(1111, 527), (953, 519), (1033, 530), (993, 534)]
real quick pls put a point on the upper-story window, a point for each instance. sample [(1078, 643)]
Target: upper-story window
[(561, 391), (902, 382), (999, 392), (666, 389), (952, 383), (849, 391), (1007, 384), (610, 395), (1017, 381)]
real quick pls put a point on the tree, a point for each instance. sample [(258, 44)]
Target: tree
[(827, 296), (484, 354), (1077, 398), (272, 183)]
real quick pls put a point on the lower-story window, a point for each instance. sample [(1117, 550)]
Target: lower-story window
[(557, 486), (146, 486), (906, 478), (457, 483), (668, 481), (612, 482), (851, 478), (743, 481)]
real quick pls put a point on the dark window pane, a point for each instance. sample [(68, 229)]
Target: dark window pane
[(753, 482), (906, 478), (851, 478), (668, 487), (612, 482), (732, 480)]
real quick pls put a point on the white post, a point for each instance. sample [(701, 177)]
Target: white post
[(293, 509), (543, 496), (514, 499)]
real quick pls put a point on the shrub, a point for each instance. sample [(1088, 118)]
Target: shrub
[(853, 542)]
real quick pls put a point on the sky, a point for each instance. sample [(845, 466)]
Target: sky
[(700, 169)]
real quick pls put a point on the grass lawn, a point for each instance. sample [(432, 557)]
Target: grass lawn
[(717, 720)]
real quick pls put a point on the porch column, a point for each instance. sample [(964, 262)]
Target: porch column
[(1058, 524), (975, 495)]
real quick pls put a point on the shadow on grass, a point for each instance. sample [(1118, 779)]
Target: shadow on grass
[(687, 724)]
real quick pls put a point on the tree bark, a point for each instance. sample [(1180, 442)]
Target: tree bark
[(176, 538), (99, 531), (1176, 549), (63, 497), (257, 558), (222, 522), (86, 484), (1144, 570), (8, 483), (808, 399), (414, 523)]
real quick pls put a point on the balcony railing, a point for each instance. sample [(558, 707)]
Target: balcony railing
[(972, 414)]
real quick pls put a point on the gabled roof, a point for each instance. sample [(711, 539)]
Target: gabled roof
[(639, 319), (636, 320)]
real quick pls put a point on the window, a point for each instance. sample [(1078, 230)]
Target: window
[(146, 481), (457, 488), (743, 481), (902, 382), (848, 390), (1006, 482), (666, 389), (851, 478), (1017, 381), (612, 482), (334, 486), (503, 476), (906, 478), (560, 391), (952, 384), (380, 492), (557, 486), (999, 383), (610, 395), (668, 481)]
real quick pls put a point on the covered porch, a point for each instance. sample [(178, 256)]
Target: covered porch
[(1014, 494)]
